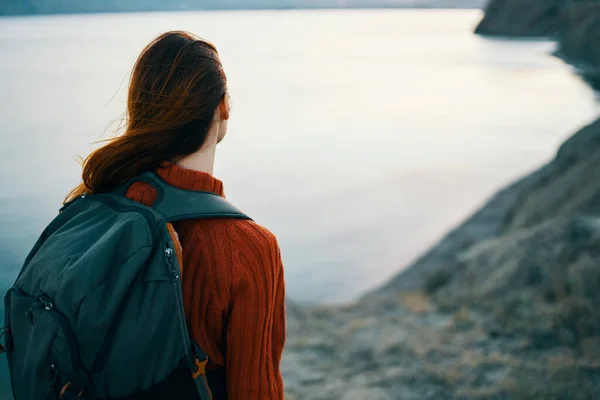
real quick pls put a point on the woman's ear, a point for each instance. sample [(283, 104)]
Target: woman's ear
[(225, 107)]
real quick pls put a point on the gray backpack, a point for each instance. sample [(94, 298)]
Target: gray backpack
[(97, 312)]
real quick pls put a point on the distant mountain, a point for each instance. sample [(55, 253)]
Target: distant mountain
[(33, 7)]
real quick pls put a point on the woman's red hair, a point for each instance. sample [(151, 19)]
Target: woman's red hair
[(176, 85)]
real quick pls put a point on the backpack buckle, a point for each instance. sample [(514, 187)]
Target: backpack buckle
[(200, 368), (68, 392)]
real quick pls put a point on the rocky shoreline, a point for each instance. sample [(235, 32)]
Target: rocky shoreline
[(505, 306), (575, 24)]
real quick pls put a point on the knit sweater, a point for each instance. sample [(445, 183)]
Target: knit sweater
[(233, 290)]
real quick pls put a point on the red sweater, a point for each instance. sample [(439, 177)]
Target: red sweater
[(233, 290)]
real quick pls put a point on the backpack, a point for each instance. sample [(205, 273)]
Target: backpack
[(97, 312)]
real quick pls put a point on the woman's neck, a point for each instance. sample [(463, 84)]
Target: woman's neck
[(203, 160)]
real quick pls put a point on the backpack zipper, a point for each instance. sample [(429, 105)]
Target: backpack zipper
[(174, 274), (43, 301)]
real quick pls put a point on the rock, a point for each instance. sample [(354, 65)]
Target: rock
[(532, 18), (590, 348), (485, 223), (365, 393), (294, 315), (579, 39), (568, 185), (537, 258), (579, 36), (575, 23)]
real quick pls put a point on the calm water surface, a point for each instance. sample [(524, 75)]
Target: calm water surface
[(357, 137)]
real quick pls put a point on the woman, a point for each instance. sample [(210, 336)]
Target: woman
[(233, 285)]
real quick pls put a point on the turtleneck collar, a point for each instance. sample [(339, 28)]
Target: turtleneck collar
[(188, 179)]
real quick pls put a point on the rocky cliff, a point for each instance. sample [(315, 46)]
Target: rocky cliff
[(506, 306), (533, 18), (580, 39), (565, 187), (574, 23)]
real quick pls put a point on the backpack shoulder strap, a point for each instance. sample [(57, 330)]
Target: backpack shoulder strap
[(176, 204)]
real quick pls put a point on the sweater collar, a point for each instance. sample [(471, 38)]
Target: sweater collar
[(188, 179)]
